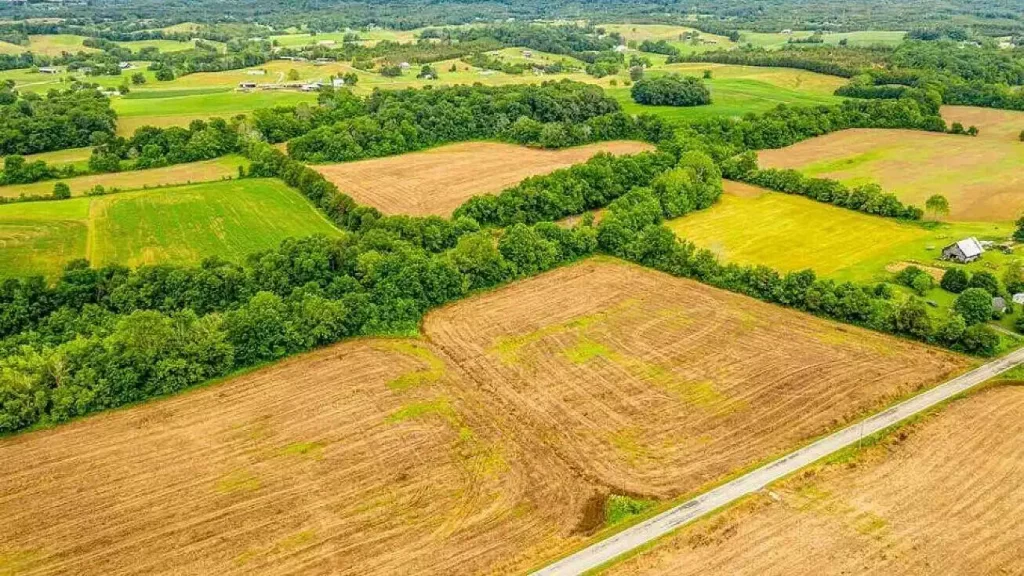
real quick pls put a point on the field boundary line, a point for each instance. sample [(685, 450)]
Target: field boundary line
[(634, 537)]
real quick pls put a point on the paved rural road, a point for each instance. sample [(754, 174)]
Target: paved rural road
[(636, 536)]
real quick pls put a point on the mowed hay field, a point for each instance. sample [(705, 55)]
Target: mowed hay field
[(204, 171), (946, 499), (182, 224), (982, 177), (439, 180), (751, 225), (488, 446)]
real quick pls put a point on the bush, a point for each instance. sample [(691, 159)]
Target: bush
[(955, 280), (61, 191), (671, 90), (986, 281)]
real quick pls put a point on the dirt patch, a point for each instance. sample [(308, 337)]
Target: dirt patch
[(438, 181), (480, 451), (933, 271), (946, 498)]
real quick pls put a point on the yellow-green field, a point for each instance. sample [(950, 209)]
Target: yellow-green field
[(162, 45), (77, 157), (205, 171), (775, 40), (737, 90), (181, 224), (788, 233), (982, 177), (671, 34), (55, 44)]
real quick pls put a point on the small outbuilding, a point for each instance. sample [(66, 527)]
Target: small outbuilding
[(964, 251), (999, 305), (246, 85), (620, 48), (49, 70), (404, 65), (1018, 298)]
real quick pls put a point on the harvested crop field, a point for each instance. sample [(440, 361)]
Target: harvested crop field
[(980, 176), (488, 447), (437, 181), (947, 499)]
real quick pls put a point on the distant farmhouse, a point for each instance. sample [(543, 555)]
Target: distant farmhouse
[(964, 251)]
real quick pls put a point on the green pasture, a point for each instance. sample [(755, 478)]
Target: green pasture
[(55, 44), (776, 40), (182, 224), (791, 233), (77, 157), (737, 90), (161, 45), (133, 113)]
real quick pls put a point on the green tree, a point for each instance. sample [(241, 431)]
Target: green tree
[(986, 281), (293, 75), (975, 305), (138, 78), (937, 205), (165, 74), (707, 74), (1018, 234), (636, 73), (955, 280), (1013, 277), (61, 191)]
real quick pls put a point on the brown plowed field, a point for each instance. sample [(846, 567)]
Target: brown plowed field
[(982, 177), (948, 499), (479, 450), (656, 385), (439, 180)]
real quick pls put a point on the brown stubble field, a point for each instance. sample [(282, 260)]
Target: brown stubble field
[(944, 496), (487, 446), (437, 181), (980, 176)]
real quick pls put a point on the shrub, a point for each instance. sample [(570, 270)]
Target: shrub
[(955, 280)]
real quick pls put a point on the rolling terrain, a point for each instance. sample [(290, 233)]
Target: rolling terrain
[(493, 443), (437, 181)]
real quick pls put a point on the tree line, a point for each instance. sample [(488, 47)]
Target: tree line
[(866, 198), (408, 120)]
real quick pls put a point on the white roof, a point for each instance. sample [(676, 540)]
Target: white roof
[(1018, 298), (970, 247)]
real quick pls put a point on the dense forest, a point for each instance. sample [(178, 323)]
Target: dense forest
[(31, 123)]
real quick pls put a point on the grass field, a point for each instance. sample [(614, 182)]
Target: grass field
[(736, 90), (671, 34), (776, 40), (982, 177), (439, 180), (162, 45), (77, 157), (944, 492), (133, 113), (207, 170), (487, 447), (182, 224), (56, 44), (753, 226)]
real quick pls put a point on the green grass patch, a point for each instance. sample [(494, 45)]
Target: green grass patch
[(181, 224), (238, 481), (313, 450), (620, 508), (432, 372), (440, 407), (161, 45)]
